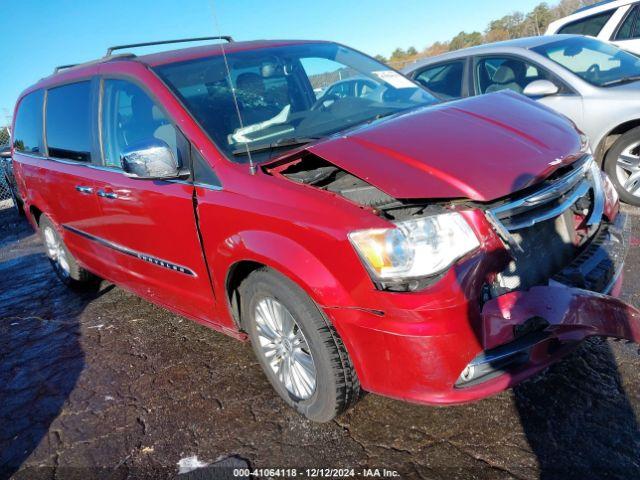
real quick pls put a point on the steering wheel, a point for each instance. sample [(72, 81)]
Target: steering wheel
[(594, 71), (320, 103)]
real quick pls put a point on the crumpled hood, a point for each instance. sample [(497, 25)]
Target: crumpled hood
[(480, 148)]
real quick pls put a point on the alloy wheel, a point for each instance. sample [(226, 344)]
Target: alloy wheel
[(285, 348), (56, 251), (628, 169)]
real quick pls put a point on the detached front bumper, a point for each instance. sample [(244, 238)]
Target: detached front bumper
[(463, 353)]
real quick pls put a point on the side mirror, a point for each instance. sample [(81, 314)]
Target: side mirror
[(151, 160), (540, 88)]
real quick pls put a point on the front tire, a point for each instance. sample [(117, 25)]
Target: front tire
[(63, 262), (299, 351), (622, 164)]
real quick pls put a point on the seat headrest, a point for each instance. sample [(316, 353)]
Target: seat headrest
[(504, 74)]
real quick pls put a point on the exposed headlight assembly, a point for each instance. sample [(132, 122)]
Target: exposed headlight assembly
[(398, 258)]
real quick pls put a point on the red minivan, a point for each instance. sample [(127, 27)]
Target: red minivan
[(303, 196)]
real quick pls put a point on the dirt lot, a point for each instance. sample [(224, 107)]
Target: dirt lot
[(108, 385)]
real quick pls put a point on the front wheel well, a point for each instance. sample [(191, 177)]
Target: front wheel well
[(610, 138), (237, 274)]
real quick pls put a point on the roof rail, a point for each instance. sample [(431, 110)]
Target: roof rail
[(593, 5), (162, 42), (93, 62), (64, 67)]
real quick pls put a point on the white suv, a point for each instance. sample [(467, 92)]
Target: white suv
[(616, 21)]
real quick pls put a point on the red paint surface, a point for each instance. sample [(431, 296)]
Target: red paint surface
[(482, 148)]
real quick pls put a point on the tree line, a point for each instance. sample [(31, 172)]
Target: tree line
[(514, 25)]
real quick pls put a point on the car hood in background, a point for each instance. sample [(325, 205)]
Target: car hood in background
[(481, 148)]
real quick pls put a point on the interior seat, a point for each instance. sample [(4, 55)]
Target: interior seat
[(509, 76)]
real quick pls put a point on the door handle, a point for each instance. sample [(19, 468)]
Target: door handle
[(111, 195), (83, 189)]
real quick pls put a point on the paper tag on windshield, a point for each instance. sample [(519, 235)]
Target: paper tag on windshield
[(394, 79)]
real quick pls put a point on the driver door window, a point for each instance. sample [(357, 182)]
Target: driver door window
[(506, 73), (130, 117)]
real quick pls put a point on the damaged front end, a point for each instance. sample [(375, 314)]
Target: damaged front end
[(539, 282), (568, 243)]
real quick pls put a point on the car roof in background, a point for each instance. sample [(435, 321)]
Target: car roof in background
[(602, 3), (525, 43)]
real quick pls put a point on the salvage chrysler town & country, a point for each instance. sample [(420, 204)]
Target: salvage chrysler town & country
[(361, 239)]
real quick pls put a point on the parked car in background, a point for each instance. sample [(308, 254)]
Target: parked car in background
[(350, 87), (616, 21), (595, 84), (390, 244)]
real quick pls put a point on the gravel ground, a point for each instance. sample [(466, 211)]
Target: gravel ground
[(106, 385)]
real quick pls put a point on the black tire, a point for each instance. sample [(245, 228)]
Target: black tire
[(337, 387), (611, 160), (74, 276)]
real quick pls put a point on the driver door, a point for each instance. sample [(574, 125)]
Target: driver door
[(150, 225)]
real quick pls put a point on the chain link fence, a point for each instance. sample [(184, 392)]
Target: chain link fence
[(6, 198)]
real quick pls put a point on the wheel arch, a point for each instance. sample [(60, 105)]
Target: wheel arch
[(283, 255), (611, 136)]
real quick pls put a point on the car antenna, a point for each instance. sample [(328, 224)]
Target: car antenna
[(252, 166)]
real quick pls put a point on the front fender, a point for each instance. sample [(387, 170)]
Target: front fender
[(284, 255)]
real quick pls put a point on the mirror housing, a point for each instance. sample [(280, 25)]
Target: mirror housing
[(150, 160), (540, 88)]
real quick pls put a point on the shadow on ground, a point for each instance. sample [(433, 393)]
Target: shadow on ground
[(578, 419), (109, 381), (40, 356)]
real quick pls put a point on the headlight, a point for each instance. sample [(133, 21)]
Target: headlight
[(415, 248), (585, 147)]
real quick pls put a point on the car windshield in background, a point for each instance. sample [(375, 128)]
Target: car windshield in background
[(596, 62), (288, 95)]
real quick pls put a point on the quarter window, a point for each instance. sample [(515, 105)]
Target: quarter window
[(591, 26), (131, 118), (27, 135), (444, 80), (630, 27), (69, 122)]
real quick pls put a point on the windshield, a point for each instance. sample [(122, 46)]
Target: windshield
[(287, 95), (598, 63)]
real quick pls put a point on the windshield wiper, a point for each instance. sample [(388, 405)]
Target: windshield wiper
[(628, 79), (282, 143)]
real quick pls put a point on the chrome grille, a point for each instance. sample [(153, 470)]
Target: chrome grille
[(539, 226), (551, 201)]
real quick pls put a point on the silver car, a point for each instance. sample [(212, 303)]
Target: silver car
[(595, 84)]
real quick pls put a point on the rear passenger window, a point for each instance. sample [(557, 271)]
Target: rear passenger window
[(69, 122), (444, 80), (27, 135), (591, 26), (131, 118)]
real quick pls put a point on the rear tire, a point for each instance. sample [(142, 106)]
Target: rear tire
[(302, 354), (64, 263), (622, 162)]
